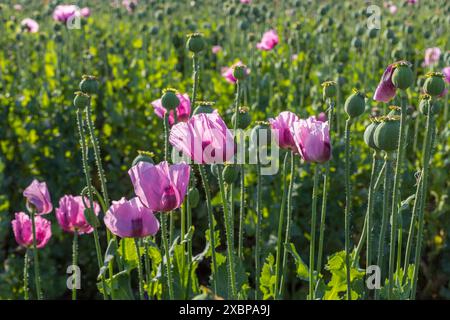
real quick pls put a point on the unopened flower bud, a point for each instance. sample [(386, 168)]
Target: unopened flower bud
[(230, 173)]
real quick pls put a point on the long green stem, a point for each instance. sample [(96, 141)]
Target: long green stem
[(202, 171), (395, 197), (280, 227), (90, 194), (313, 232), (229, 237), (148, 271), (74, 261), (165, 241), (287, 237), (241, 215), (37, 277), (25, 275), (385, 215), (195, 76), (258, 228), (428, 148), (140, 273), (348, 204)]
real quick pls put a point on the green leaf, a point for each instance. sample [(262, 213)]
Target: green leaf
[(268, 278), (109, 256), (91, 218), (302, 268), (118, 286)]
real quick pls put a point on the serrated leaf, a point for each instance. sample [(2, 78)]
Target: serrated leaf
[(302, 269)]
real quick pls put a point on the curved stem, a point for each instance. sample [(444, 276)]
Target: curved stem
[(140, 273), (385, 216), (37, 276), (348, 205), (428, 148), (280, 227), (211, 225), (313, 232), (395, 197), (25, 275), (228, 233), (287, 237), (74, 261)]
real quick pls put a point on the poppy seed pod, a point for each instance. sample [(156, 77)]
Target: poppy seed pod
[(369, 134), (81, 99), (355, 104), (144, 156), (240, 72), (230, 173), (426, 103), (204, 107), (329, 89), (395, 111), (387, 133), (89, 84), (434, 84), (244, 118), (194, 197), (403, 77), (169, 99), (261, 134), (195, 42)]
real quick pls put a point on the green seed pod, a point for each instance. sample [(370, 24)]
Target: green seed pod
[(395, 111), (435, 105), (143, 156), (369, 135), (81, 100), (434, 84), (403, 77), (195, 42), (194, 197), (387, 133), (260, 132), (169, 99), (355, 104), (329, 89), (373, 33), (230, 173), (204, 107), (89, 85), (240, 72), (357, 43), (244, 118)]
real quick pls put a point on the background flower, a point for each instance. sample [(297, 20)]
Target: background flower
[(23, 232)]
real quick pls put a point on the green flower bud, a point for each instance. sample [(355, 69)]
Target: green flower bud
[(240, 72), (329, 89), (355, 104), (194, 197), (230, 173), (403, 77), (169, 99), (81, 99), (244, 118), (369, 134), (434, 84), (89, 84), (144, 156), (387, 133), (195, 42), (204, 107)]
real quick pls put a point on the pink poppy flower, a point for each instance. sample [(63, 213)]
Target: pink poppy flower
[(23, 232), (281, 129), (412, 1), (446, 72), (269, 41), (70, 214), (322, 117), (183, 109), (227, 72), (131, 219), (38, 196), (431, 56), (393, 9), (312, 138), (246, 1), (386, 89), (130, 5), (30, 25), (205, 139), (64, 13), (216, 49), (85, 12), (160, 187), (18, 7)]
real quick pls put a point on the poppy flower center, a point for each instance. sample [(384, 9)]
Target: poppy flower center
[(169, 199), (136, 227)]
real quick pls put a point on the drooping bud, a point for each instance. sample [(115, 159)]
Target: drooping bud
[(195, 42), (355, 104), (230, 173), (194, 197), (329, 89), (81, 99), (403, 77), (89, 84), (387, 133), (169, 99), (244, 118), (434, 84), (144, 156)]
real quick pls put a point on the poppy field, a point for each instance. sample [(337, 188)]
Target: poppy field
[(224, 150)]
